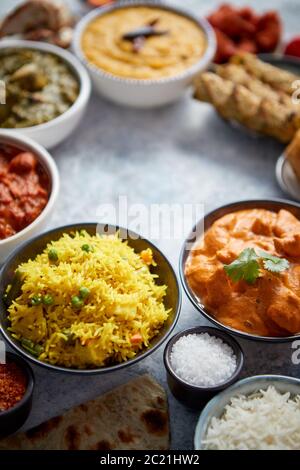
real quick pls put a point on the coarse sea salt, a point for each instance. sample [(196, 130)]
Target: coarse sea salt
[(203, 360)]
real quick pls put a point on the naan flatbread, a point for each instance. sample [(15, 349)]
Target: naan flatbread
[(132, 416)]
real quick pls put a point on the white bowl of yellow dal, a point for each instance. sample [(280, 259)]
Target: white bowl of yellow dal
[(143, 54)]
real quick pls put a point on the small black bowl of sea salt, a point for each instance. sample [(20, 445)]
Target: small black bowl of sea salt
[(200, 362)]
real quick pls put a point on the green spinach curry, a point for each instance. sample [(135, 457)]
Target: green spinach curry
[(39, 87)]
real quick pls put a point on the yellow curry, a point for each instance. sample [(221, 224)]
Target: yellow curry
[(271, 305), (176, 44)]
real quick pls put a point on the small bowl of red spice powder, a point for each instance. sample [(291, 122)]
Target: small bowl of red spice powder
[(29, 184), (16, 388)]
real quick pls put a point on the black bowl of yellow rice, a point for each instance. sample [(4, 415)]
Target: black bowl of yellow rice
[(88, 299)]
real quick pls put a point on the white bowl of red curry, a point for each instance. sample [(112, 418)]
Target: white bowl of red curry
[(265, 309), (29, 186)]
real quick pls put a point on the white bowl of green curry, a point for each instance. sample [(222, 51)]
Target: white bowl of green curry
[(44, 91)]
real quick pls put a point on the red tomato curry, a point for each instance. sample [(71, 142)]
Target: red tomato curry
[(24, 190)]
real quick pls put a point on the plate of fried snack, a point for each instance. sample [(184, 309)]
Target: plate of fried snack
[(259, 94), (288, 168)]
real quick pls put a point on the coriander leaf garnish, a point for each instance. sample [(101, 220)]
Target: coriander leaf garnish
[(245, 267), (248, 264), (273, 263)]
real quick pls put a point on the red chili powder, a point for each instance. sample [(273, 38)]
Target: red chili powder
[(13, 385)]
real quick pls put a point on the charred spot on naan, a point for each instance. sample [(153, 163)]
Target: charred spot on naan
[(102, 445), (72, 438), (126, 435), (83, 407), (43, 429), (88, 430), (156, 421), (161, 401)]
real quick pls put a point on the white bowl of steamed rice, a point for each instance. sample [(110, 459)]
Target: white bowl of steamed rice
[(87, 298), (257, 413)]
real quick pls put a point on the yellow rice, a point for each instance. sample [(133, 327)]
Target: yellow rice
[(124, 301)]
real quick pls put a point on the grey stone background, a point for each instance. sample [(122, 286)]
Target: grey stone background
[(181, 153)]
